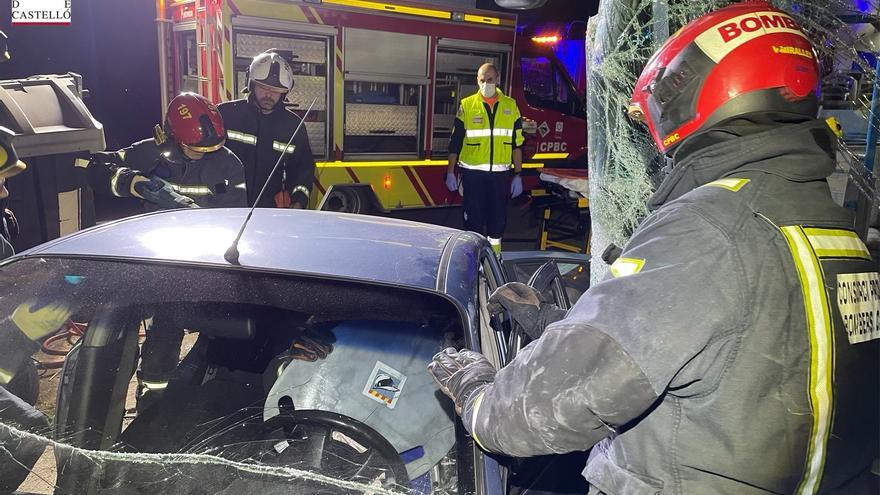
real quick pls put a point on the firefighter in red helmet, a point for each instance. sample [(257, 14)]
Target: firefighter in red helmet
[(185, 165), (734, 346)]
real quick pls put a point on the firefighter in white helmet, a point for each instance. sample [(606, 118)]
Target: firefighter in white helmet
[(259, 128)]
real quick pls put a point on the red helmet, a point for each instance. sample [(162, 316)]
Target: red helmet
[(193, 121), (745, 58)]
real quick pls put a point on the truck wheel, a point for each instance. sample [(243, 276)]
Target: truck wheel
[(343, 200), (26, 383)]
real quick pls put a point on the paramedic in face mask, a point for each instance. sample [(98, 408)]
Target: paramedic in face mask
[(486, 144)]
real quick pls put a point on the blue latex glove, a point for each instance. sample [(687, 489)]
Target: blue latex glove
[(516, 186), (451, 182)]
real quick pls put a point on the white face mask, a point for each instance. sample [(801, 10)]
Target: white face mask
[(487, 90)]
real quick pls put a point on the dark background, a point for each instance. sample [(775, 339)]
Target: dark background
[(112, 44)]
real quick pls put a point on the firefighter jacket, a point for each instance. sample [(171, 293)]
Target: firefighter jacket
[(215, 181), (484, 138), (733, 348), (259, 139)]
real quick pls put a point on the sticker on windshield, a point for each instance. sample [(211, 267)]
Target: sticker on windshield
[(385, 384)]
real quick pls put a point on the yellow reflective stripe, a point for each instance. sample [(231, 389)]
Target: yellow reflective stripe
[(550, 156), (387, 7), (481, 19), (152, 387), (730, 184), (626, 266), (489, 132), (485, 167), (283, 147), (240, 185), (821, 353), (195, 190), (5, 376), (476, 411), (302, 189), (114, 181), (241, 137), (837, 243), (401, 163)]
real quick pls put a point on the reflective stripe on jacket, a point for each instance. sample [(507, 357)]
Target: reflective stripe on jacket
[(733, 349), (489, 138)]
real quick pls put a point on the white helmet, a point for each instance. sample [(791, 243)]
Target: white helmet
[(270, 69)]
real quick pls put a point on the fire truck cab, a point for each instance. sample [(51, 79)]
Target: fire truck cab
[(387, 78)]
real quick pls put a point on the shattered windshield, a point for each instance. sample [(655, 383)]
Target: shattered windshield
[(192, 380)]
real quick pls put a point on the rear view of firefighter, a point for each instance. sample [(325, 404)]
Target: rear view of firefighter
[(259, 128), (186, 165), (734, 348), (486, 142)]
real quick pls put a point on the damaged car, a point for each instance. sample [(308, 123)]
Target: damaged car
[(297, 366)]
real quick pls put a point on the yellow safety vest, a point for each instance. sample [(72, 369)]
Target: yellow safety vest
[(488, 145)]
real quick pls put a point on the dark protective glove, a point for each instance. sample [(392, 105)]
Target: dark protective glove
[(460, 374), (526, 306), (451, 182), (160, 193), (312, 345)]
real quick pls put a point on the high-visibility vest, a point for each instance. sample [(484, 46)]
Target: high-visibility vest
[(488, 144)]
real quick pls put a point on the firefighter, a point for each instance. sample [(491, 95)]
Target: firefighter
[(734, 347), (259, 128), (20, 333), (8, 222), (486, 142), (185, 165)]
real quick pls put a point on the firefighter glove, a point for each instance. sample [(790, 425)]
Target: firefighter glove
[(312, 345), (528, 308), (516, 186), (461, 374), (160, 193), (451, 182), (37, 320)]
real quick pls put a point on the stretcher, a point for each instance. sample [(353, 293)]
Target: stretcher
[(564, 205)]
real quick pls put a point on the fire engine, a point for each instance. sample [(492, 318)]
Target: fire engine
[(387, 78)]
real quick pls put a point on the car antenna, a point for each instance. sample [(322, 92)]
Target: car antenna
[(232, 253)]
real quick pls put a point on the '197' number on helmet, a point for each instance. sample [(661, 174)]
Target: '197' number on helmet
[(183, 110)]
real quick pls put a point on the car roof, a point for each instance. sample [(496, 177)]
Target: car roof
[(301, 241)]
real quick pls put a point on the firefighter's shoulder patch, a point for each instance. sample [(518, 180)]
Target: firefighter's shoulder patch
[(731, 184), (623, 267)]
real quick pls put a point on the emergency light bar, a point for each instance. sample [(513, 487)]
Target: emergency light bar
[(546, 39)]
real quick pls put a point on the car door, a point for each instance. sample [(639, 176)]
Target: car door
[(561, 278), (569, 280)]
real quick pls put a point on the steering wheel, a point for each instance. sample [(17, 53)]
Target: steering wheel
[(329, 444)]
